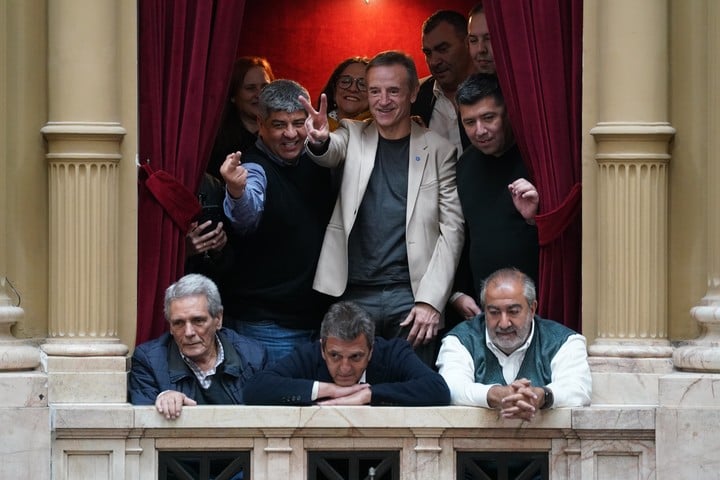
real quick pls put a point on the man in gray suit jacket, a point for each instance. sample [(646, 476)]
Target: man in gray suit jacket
[(395, 236)]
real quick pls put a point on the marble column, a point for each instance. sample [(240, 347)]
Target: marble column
[(632, 138), (703, 354), (85, 359)]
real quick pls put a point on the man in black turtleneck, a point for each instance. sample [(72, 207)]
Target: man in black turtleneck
[(499, 203)]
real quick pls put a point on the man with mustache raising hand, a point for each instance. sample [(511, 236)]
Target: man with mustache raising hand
[(446, 52)]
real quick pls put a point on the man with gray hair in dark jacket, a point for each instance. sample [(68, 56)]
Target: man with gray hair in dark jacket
[(197, 361)]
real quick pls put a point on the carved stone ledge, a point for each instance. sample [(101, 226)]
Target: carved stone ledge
[(703, 353)]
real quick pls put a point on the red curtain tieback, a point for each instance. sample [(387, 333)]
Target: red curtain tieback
[(178, 202)]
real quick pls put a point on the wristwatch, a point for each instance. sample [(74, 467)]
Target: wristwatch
[(549, 398)]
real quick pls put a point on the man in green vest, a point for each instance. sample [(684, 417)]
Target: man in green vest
[(509, 359)]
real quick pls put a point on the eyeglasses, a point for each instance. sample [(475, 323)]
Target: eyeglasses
[(346, 81)]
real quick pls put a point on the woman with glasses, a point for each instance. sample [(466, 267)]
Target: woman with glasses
[(346, 92), (239, 127)]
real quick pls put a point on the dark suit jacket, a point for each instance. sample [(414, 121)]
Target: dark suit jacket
[(397, 377), (157, 366)]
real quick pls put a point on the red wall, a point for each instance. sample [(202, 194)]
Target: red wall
[(305, 39)]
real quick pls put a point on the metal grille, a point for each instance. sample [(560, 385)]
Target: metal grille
[(204, 465), (502, 466), (347, 465)]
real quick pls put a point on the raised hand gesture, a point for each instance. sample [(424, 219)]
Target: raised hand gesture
[(316, 123), (234, 174), (525, 197)]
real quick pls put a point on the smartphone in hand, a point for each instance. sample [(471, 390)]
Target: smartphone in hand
[(214, 213)]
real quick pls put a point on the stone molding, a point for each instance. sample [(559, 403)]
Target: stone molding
[(582, 443)]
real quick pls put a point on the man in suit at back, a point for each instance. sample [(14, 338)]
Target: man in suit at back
[(446, 52)]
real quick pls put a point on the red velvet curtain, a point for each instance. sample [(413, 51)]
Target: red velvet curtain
[(186, 51), (538, 52)]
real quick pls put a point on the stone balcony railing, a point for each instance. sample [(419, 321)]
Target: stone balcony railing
[(120, 441), (672, 436)]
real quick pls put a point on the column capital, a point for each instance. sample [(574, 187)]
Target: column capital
[(83, 142), (610, 129), (632, 142), (69, 129)]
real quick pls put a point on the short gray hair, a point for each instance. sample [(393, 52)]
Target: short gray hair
[(191, 285), (281, 96), (509, 274), (346, 321)]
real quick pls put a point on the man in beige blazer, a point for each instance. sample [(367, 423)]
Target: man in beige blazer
[(395, 236)]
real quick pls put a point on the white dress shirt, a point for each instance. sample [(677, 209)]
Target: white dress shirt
[(444, 118), (571, 381)]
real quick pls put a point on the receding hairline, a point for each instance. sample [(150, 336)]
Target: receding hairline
[(506, 275)]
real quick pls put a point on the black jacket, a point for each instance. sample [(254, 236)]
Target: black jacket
[(157, 366), (395, 373)]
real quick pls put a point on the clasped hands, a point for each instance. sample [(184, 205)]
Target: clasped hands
[(519, 400), (332, 394)]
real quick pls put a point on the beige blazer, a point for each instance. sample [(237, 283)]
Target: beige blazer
[(434, 222)]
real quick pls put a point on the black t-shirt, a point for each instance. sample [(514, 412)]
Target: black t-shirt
[(497, 236), (377, 253)]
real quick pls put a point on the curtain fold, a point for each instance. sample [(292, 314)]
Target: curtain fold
[(538, 52), (186, 51)]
